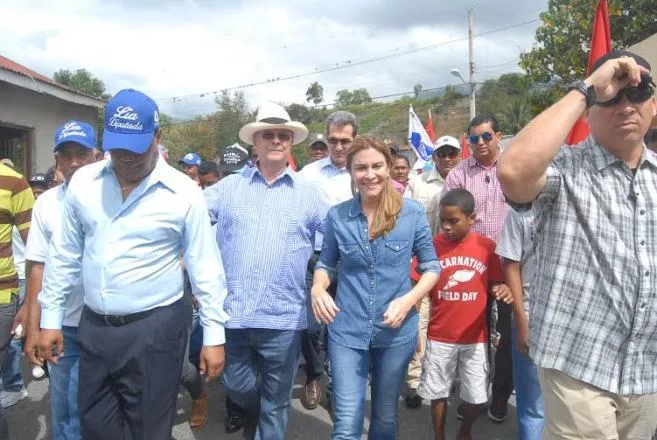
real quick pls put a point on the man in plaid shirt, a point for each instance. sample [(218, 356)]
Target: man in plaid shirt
[(478, 175), (593, 320)]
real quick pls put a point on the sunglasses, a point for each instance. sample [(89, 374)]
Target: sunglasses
[(283, 136), (486, 136), (443, 154), (635, 95), (335, 141)]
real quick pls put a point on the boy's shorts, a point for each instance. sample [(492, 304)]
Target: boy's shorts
[(439, 371)]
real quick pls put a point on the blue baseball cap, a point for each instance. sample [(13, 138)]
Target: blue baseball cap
[(131, 121), (78, 132), (191, 159)]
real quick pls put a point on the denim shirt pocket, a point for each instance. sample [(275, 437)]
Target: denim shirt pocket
[(351, 255), (396, 253)]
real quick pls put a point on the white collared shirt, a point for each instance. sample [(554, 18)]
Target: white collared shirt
[(334, 184), (424, 189), (46, 217), (128, 252)]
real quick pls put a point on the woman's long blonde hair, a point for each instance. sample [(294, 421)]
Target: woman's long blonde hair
[(390, 202)]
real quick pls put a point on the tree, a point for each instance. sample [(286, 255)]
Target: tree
[(83, 81), (232, 115), (356, 97), (417, 88), (315, 93), (563, 40)]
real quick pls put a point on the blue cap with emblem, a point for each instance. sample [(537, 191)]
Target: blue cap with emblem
[(131, 121)]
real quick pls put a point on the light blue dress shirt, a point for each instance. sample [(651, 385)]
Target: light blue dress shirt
[(128, 252), (372, 273), (266, 235)]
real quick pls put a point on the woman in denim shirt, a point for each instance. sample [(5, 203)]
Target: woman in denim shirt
[(369, 242)]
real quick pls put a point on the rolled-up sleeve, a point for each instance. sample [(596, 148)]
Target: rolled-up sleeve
[(206, 272), (423, 245), (63, 265), (328, 259)]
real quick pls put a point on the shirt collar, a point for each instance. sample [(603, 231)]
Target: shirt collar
[(251, 173), (355, 210), (434, 175), (603, 158), (328, 163), (472, 162), (159, 174)]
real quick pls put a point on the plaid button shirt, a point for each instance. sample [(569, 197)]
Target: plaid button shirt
[(594, 311), (490, 204)]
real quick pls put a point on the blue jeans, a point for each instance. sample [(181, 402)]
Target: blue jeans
[(64, 378), (529, 398), (350, 368), (11, 372), (261, 365)]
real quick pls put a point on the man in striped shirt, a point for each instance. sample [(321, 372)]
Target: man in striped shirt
[(593, 317), (478, 175), (266, 218), (16, 201)]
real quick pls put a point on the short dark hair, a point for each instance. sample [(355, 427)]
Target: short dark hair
[(343, 118), (460, 198), (483, 119), (402, 156), (208, 167)]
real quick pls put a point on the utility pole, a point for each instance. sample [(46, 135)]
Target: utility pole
[(471, 80)]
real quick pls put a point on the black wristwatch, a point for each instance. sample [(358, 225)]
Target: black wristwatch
[(588, 92)]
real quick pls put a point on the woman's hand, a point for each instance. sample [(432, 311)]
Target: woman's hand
[(324, 307), (397, 310)]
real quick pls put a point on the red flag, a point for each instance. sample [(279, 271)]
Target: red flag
[(291, 162), (465, 148), (429, 128), (600, 45)]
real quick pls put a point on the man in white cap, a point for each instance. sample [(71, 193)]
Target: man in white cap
[(266, 219), (125, 223), (424, 188)]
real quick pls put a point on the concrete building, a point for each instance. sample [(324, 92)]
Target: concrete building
[(31, 107)]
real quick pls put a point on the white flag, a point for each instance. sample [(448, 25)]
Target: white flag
[(418, 138)]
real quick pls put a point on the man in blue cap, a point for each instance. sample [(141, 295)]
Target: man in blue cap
[(126, 222), (75, 147), (190, 163)]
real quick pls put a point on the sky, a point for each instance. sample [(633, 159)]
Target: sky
[(189, 49)]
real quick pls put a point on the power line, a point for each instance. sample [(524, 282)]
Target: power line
[(346, 65), (391, 95)]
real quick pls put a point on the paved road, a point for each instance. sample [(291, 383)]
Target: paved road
[(29, 419)]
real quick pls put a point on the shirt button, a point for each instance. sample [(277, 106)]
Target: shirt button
[(642, 212), (647, 273), (643, 305), (643, 242)]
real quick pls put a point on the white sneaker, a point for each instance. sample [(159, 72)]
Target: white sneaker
[(10, 398), (38, 372)]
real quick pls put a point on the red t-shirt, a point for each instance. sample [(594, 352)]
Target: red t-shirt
[(458, 301)]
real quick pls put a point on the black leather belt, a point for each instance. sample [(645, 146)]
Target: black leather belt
[(121, 320)]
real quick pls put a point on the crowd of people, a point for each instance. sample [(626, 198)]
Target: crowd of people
[(533, 270)]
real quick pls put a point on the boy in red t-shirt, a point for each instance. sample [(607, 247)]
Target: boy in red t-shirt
[(470, 271)]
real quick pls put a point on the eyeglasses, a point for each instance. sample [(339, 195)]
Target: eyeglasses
[(486, 136), (344, 141), (635, 95), (449, 153), (283, 136)]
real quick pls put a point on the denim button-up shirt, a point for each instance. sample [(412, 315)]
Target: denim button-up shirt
[(372, 273)]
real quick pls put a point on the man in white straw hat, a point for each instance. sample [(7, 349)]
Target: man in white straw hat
[(266, 219)]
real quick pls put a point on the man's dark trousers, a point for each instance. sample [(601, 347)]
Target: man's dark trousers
[(130, 374), (503, 380)]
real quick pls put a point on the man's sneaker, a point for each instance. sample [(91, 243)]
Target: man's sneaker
[(10, 398), (497, 412), (412, 400), (38, 372)]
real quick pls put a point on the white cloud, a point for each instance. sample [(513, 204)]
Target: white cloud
[(172, 48)]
